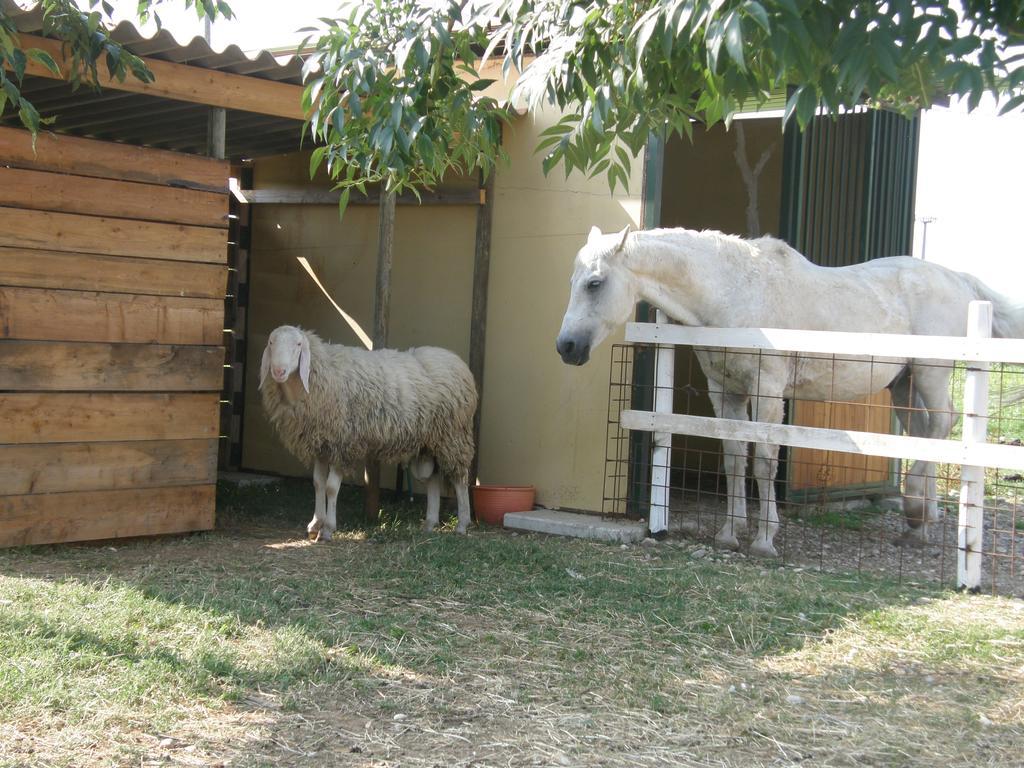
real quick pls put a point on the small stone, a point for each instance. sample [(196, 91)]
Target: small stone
[(732, 689), (930, 679), (802, 616), (697, 554), (399, 716), (649, 542), (984, 720), (794, 699), (562, 759), (624, 546), (166, 742)]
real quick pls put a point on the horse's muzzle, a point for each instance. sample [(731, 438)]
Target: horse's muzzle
[(572, 352)]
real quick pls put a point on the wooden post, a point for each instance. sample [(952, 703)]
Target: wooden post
[(661, 461), (216, 132), (381, 317), (972, 479), (478, 313)]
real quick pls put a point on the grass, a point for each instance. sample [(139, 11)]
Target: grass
[(250, 647)]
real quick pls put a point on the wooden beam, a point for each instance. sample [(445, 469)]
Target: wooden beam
[(107, 160), (44, 314), (381, 318), (109, 236), (51, 366), (45, 191), (186, 83), (31, 268), (72, 417), (63, 467), (331, 197), (478, 313), (47, 518)]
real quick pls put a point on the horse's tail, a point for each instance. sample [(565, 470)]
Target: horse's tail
[(1007, 314)]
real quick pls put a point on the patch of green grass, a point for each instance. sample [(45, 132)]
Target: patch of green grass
[(830, 516), (249, 638)]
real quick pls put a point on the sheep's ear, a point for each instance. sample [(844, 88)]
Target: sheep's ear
[(595, 234), (304, 362), (265, 365)]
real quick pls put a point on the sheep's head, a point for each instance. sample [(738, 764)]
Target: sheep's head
[(287, 351)]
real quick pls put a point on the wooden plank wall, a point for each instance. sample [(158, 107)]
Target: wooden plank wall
[(112, 280), (828, 470)]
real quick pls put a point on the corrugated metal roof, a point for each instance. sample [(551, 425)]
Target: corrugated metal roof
[(156, 121)]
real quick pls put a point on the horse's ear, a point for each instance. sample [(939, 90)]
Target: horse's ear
[(594, 235), (622, 239)]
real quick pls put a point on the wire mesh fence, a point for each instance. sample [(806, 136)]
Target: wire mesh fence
[(838, 512)]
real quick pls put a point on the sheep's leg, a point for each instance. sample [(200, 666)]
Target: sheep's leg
[(433, 502), (320, 497), (462, 494), (331, 517)]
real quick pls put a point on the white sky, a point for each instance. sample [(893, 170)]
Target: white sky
[(970, 173), (971, 180)]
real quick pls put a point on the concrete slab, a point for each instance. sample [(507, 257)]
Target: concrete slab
[(577, 524)]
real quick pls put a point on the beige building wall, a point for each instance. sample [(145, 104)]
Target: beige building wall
[(543, 422), (430, 293)]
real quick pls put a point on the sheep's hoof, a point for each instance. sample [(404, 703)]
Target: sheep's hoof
[(762, 548)]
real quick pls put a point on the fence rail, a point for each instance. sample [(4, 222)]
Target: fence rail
[(978, 349)]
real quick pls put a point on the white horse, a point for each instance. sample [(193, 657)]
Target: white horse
[(716, 280)]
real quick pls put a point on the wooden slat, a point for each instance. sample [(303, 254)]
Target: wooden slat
[(41, 366), (58, 417), (63, 467), (332, 196), (89, 515), (113, 237), (107, 160), (44, 191), (114, 274), (841, 440), (197, 85), (44, 314), (878, 346)]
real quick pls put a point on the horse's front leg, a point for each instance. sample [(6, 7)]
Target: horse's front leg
[(766, 464), (734, 460)]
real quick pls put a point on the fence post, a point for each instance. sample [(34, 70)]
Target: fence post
[(661, 460), (972, 479)]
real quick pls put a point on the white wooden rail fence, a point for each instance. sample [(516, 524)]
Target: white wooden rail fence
[(977, 348)]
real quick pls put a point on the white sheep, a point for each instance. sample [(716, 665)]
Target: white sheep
[(336, 407)]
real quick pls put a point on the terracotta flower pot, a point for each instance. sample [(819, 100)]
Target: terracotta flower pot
[(491, 502)]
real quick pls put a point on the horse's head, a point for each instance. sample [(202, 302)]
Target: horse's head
[(601, 296)]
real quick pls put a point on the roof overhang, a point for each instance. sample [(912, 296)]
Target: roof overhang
[(261, 96)]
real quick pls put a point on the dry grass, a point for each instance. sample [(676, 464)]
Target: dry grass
[(251, 647)]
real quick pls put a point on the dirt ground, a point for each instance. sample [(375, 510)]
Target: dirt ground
[(865, 536)]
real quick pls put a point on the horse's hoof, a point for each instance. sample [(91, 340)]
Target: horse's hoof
[(429, 527), (727, 542), (762, 549), (314, 526), (461, 528), (323, 535), (912, 537)]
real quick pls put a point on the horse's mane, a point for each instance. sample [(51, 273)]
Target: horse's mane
[(736, 248)]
